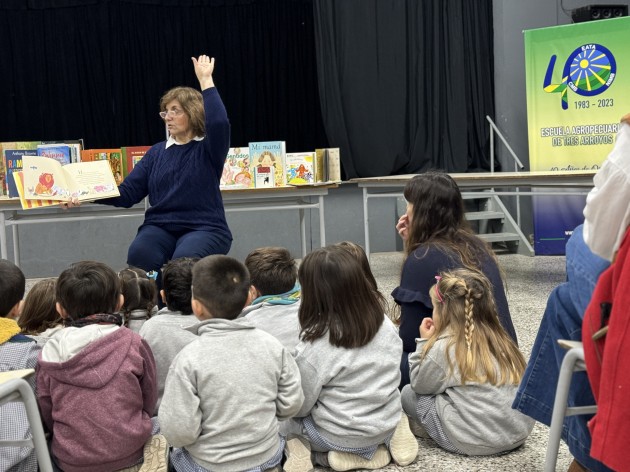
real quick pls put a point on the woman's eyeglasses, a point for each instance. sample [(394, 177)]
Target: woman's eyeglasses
[(174, 112)]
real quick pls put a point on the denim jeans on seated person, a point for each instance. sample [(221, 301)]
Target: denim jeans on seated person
[(563, 320)]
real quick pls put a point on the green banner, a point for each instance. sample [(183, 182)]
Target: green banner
[(578, 87)]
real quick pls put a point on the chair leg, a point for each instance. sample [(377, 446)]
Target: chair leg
[(560, 407)]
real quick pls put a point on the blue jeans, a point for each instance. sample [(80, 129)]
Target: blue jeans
[(563, 320)]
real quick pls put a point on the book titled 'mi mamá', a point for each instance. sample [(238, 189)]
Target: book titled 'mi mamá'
[(269, 154)]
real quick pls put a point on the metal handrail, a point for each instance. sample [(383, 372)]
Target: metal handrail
[(518, 165), (493, 127)]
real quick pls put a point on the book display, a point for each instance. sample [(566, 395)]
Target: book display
[(59, 171)]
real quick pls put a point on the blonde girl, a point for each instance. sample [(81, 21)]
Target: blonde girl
[(465, 371)]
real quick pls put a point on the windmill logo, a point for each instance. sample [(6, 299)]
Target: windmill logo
[(588, 71)]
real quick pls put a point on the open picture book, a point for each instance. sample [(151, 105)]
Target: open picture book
[(47, 179)]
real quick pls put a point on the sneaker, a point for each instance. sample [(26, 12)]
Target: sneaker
[(341, 461), (155, 455), (417, 429), (403, 446), (298, 452)]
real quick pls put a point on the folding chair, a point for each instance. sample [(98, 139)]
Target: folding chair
[(14, 388), (573, 362)]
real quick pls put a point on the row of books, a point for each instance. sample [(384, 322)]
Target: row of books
[(45, 173), (267, 164), (121, 160)]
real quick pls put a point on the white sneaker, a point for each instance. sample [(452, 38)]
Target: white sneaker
[(298, 452), (341, 461), (403, 445)]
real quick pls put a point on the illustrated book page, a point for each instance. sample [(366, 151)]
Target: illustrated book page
[(47, 179)]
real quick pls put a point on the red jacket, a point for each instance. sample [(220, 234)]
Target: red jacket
[(608, 362)]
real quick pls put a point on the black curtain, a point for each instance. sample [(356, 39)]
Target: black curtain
[(405, 85), (96, 69)]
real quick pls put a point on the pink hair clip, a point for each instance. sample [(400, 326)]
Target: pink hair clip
[(437, 289)]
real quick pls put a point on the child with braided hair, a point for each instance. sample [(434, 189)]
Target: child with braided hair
[(465, 371), (140, 293)]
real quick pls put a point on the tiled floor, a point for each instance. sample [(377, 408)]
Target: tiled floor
[(529, 282)]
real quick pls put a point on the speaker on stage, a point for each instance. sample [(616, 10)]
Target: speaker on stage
[(598, 12)]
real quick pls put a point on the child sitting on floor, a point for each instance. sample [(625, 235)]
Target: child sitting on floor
[(465, 371), (16, 352), (348, 359), (226, 391), (96, 382), (140, 293), (273, 274), (165, 332), (39, 318)]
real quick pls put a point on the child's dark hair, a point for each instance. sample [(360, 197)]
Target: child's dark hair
[(359, 254), (176, 283), (39, 311), (12, 286), (221, 284), (337, 299), (88, 288), (272, 270), (139, 290), (439, 218)]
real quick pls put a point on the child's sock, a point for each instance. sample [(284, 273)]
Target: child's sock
[(403, 445), (342, 461)]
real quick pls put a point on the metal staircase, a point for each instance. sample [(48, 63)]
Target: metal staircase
[(493, 222)]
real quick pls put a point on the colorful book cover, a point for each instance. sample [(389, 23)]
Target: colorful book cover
[(76, 146), (12, 164), (131, 155), (59, 152), (269, 154), (264, 177), (236, 169), (12, 145), (28, 204), (300, 168)]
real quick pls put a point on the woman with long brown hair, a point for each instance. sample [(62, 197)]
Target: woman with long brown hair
[(438, 238)]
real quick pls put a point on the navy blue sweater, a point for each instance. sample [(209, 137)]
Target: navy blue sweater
[(418, 275), (182, 182)]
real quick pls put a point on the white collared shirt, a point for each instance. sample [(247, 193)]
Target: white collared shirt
[(172, 141)]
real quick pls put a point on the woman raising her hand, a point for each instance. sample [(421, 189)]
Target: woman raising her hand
[(181, 178)]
